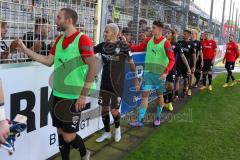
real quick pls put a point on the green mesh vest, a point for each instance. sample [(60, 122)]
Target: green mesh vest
[(156, 59), (69, 71)]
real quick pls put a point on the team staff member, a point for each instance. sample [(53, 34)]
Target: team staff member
[(36, 40), (209, 49), (71, 45), (159, 61), (232, 54)]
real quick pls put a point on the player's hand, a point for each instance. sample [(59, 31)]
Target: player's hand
[(20, 45), (123, 39), (80, 103), (4, 131), (213, 61), (52, 43), (189, 71), (137, 86), (163, 76)]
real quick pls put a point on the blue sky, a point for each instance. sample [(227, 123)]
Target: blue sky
[(217, 9)]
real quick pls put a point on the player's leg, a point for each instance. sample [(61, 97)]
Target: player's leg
[(210, 76), (204, 76), (115, 102), (148, 80), (197, 73), (228, 75), (64, 147), (104, 102), (70, 136), (168, 96), (190, 81), (142, 110), (177, 87), (186, 82), (177, 82), (161, 88), (76, 142), (231, 67), (159, 109)]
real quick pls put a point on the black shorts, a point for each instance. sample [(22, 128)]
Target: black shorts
[(170, 76), (230, 65), (108, 98), (64, 115), (207, 65), (181, 71)]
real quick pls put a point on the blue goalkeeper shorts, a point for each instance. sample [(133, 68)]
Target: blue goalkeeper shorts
[(152, 81)]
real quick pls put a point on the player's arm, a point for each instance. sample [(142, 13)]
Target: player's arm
[(224, 58), (91, 73), (137, 48), (171, 58), (185, 62), (201, 57), (4, 126), (194, 57), (46, 60), (134, 72), (215, 52), (236, 52), (87, 53)]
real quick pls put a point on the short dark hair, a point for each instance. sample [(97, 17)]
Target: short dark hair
[(231, 34), (125, 31), (70, 13), (142, 21), (166, 27), (208, 32), (3, 23), (158, 23), (39, 21), (188, 31)]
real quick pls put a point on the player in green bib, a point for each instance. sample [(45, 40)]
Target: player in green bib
[(159, 61), (73, 80)]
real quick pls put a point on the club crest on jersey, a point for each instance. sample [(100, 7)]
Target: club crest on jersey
[(117, 50), (75, 119), (189, 46)]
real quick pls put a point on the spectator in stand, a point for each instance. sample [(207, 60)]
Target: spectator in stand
[(35, 40)]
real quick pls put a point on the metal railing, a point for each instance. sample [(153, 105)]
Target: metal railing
[(134, 18)]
